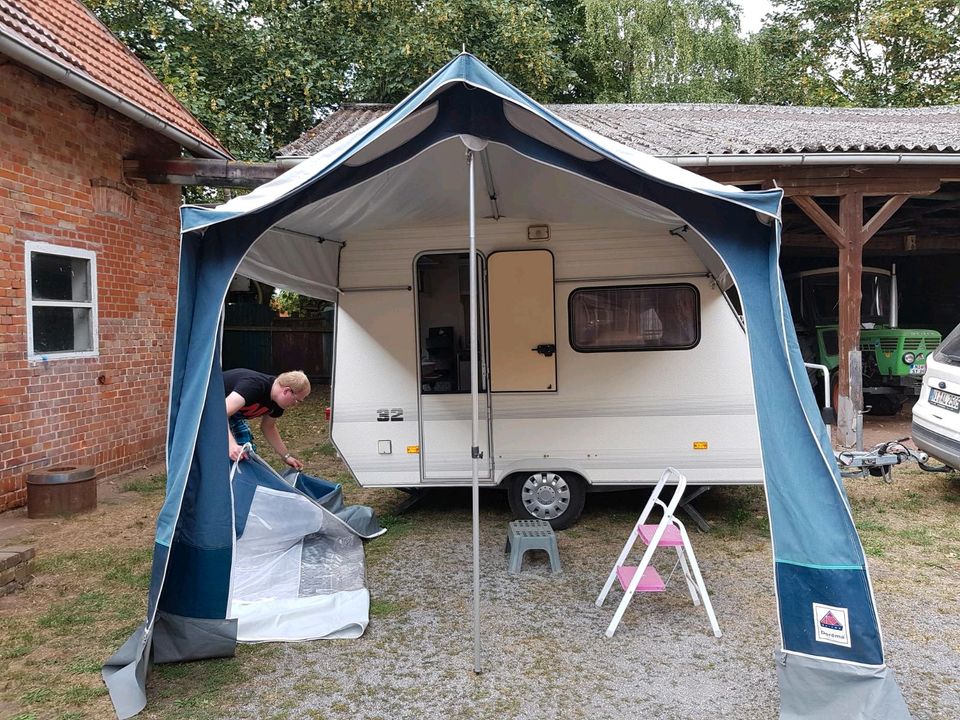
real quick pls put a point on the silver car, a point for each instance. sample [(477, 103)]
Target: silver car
[(936, 416)]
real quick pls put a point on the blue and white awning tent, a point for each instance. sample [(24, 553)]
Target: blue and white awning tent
[(408, 167)]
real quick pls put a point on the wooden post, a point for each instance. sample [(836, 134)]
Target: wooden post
[(850, 235), (851, 269)]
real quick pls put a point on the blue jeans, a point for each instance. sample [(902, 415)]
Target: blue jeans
[(241, 431)]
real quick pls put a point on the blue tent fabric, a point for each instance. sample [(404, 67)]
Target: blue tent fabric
[(829, 628)]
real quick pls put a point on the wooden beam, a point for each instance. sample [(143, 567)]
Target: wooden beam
[(201, 171), (788, 175), (821, 219), (874, 187), (882, 215)]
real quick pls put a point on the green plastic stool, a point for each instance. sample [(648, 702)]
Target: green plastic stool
[(523, 535)]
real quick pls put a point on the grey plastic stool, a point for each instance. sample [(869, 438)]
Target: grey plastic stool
[(523, 535)]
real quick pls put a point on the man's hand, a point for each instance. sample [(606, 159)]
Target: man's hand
[(237, 452), (292, 462)]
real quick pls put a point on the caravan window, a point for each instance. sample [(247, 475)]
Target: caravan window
[(443, 313), (645, 317)]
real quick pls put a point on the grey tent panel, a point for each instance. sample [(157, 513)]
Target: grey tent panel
[(816, 688)]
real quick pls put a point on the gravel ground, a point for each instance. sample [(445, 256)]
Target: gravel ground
[(544, 653)]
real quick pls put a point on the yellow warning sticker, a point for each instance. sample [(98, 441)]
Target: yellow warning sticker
[(699, 444), (413, 449)]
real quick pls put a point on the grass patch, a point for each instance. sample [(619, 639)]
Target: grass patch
[(735, 511), (84, 609), (82, 666), (82, 606), (384, 608), (918, 536), (37, 695), (152, 485), (200, 691), (867, 525), (326, 449)]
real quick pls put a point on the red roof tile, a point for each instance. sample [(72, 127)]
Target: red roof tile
[(66, 33)]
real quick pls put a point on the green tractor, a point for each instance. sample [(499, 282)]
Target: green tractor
[(894, 358)]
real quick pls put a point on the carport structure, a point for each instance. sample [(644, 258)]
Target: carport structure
[(876, 182), (884, 177)]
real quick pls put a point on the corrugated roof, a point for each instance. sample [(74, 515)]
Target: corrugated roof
[(66, 33), (670, 130)]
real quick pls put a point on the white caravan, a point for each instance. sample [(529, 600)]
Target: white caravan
[(606, 355)]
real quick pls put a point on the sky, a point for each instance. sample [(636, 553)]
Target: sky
[(753, 12)]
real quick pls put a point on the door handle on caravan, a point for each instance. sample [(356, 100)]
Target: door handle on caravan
[(545, 350)]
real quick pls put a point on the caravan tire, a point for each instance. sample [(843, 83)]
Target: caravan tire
[(546, 495)]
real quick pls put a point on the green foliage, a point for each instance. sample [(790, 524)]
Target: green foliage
[(399, 43), (258, 73), (285, 301), (871, 53), (669, 51)]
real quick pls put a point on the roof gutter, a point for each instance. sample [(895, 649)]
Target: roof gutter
[(286, 162), (24, 54), (826, 158)]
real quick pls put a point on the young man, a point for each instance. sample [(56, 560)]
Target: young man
[(251, 394)]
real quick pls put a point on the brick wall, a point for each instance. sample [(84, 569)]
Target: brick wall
[(61, 182)]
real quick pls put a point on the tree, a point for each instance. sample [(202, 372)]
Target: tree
[(872, 53), (254, 72), (258, 73), (669, 51)]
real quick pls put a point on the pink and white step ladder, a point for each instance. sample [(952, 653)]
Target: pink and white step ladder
[(669, 532)]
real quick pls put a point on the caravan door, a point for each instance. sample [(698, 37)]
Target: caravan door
[(523, 345), (443, 336)]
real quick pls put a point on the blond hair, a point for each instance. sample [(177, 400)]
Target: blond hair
[(296, 380)]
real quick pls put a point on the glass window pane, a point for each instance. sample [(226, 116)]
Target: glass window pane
[(59, 277), (443, 299), (949, 350), (59, 329), (635, 318)]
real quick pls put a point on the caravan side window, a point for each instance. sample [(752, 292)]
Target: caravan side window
[(639, 317)]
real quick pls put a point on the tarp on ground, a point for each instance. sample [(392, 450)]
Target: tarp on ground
[(295, 571), (408, 168)]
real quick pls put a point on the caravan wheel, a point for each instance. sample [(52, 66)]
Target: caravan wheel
[(545, 495)]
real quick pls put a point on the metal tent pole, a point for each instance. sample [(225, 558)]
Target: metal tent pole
[(475, 419)]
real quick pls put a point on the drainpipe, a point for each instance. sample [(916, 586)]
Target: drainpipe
[(84, 84)]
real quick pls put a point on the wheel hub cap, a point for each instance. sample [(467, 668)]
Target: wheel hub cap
[(546, 495)]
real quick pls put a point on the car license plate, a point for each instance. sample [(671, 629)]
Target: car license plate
[(943, 399), (917, 369)]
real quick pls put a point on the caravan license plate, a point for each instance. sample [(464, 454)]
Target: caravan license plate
[(944, 399)]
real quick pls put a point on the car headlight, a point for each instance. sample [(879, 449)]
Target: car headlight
[(909, 357)]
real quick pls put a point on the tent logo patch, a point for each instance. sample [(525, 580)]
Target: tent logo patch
[(831, 624)]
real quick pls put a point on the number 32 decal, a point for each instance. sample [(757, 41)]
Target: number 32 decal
[(390, 415)]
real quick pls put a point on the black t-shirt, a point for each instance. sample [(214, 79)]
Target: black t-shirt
[(254, 388)]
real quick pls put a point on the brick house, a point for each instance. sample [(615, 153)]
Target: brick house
[(88, 261)]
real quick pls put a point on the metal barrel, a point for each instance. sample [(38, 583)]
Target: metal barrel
[(62, 490)]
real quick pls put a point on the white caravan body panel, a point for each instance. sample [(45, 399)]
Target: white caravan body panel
[(616, 418)]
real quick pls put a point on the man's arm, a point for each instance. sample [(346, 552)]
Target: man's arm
[(235, 401), (270, 432)]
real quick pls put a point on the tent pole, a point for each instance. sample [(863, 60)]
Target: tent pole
[(475, 420)]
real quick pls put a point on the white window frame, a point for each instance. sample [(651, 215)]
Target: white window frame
[(51, 249)]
